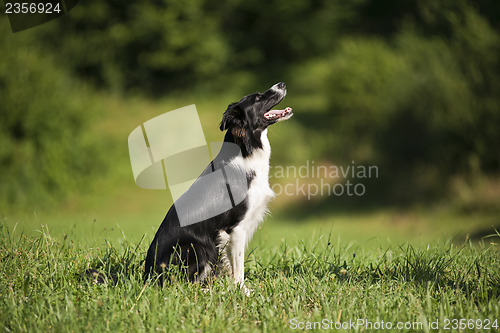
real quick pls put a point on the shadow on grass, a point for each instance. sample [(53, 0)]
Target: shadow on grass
[(115, 265), (324, 206)]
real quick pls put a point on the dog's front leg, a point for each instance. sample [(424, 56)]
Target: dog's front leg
[(236, 251)]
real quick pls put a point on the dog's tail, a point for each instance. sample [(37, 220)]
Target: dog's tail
[(186, 260)]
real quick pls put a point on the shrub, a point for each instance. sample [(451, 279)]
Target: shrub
[(46, 150)]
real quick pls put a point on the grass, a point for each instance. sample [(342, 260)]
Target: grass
[(294, 282)]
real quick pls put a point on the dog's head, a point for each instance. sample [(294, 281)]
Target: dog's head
[(249, 117)]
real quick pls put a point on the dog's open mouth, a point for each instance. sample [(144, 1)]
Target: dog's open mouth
[(278, 114)]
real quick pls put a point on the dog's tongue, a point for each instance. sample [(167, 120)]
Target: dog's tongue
[(277, 113)]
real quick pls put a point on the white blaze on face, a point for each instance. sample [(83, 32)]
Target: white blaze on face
[(279, 90), (275, 87)]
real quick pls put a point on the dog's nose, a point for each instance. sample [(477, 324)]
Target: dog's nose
[(281, 85)]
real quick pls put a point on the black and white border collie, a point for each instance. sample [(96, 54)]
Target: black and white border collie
[(220, 241)]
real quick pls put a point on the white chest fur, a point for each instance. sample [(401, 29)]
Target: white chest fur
[(259, 192)]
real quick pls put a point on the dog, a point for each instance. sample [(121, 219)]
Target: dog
[(220, 241)]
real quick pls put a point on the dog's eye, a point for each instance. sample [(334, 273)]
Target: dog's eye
[(257, 98)]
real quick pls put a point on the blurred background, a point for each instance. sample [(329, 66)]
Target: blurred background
[(411, 87)]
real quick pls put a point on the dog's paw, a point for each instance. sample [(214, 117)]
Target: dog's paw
[(248, 292)]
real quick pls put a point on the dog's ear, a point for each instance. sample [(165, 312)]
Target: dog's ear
[(232, 117)]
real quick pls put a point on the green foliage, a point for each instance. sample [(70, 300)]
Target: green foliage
[(411, 86), (422, 104), (147, 46), (155, 47), (44, 151)]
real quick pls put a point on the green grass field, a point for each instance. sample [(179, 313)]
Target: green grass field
[(431, 268), (323, 272)]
